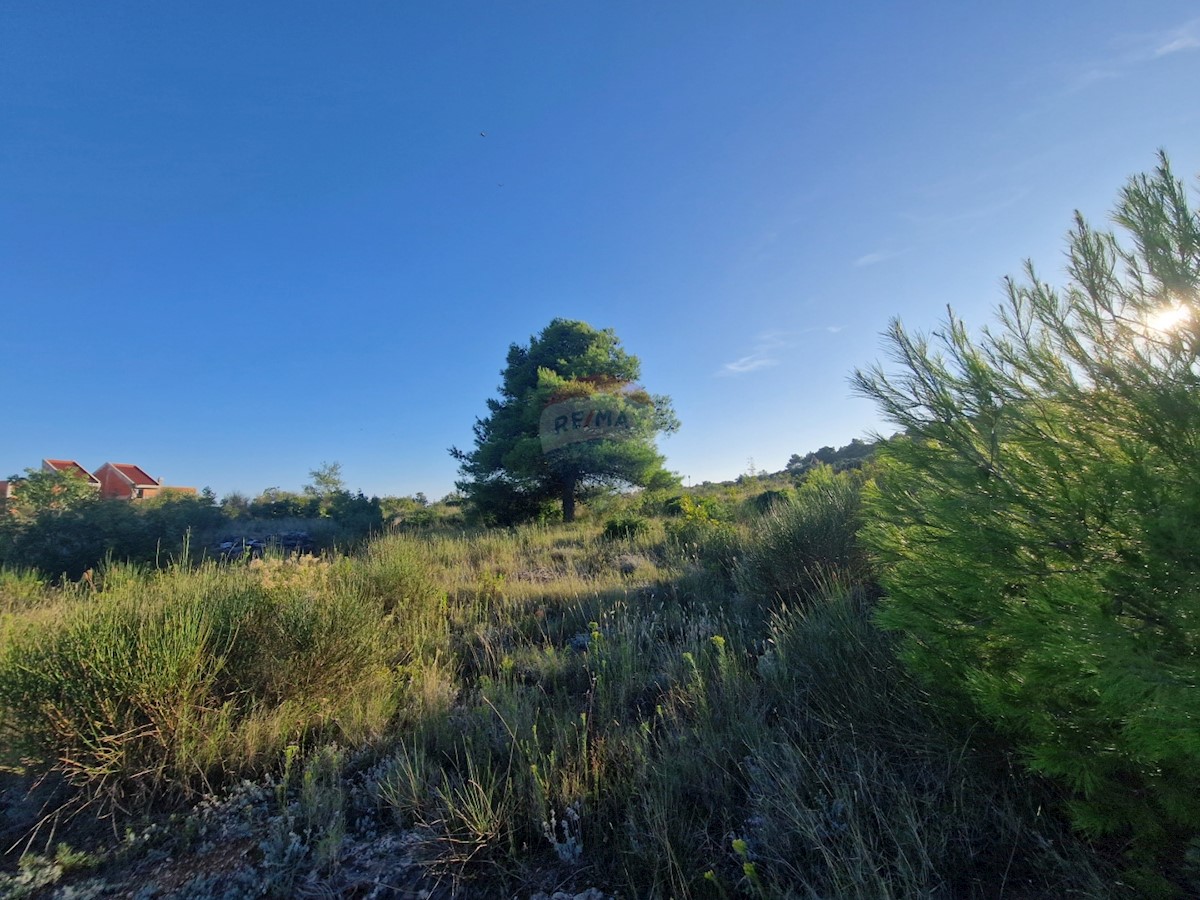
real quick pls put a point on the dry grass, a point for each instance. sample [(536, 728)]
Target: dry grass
[(556, 706)]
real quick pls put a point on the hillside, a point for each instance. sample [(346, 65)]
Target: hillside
[(674, 709)]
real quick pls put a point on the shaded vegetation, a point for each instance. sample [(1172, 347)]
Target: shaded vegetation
[(58, 525)]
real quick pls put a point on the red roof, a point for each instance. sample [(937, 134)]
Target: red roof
[(135, 474), (69, 465)]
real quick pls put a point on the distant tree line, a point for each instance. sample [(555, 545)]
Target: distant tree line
[(851, 456), (57, 524)]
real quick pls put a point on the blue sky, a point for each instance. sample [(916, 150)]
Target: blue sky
[(237, 240)]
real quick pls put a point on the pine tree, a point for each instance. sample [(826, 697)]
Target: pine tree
[(570, 417), (1038, 525)]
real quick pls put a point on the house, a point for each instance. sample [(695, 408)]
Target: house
[(123, 481), (114, 481), (70, 467), (8, 489)]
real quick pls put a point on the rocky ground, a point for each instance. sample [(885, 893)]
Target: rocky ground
[(256, 841)]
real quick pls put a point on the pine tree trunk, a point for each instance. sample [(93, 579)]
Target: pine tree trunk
[(568, 500)]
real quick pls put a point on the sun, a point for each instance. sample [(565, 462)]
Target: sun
[(1167, 319)]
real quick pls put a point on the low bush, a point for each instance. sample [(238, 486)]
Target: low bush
[(623, 527), (701, 534), (800, 545), (768, 500), (178, 680)]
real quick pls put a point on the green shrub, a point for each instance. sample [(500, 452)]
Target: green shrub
[(623, 527), (177, 680), (768, 500), (702, 535), (689, 506), (1038, 527), (798, 546)]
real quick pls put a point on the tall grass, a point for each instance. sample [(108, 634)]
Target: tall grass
[(20, 589), (179, 679), (876, 792), (801, 542), (552, 706)]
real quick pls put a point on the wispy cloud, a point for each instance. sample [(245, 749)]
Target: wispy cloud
[(790, 215), (764, 355), (1135, 49), (1085, 78), (982, 211), (1185, 37), (756, 360), (875, 258), (769, 348)]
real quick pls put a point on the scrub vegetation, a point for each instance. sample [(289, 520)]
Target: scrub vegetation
[(544, 706)]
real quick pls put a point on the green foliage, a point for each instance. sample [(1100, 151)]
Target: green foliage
[(864, 789), (35, 874), (410, 512), (799, 546), (695, 506), (274, 503), (68, 539), (537, 710), (624, 526), (512, 474), (177, 680), (326, 480), (852, 456), (48, 493), (1038, 525), (20, 589), (701, 531), (767, 500), (71, 541), (235, 505), (498, 501), (356, 513)]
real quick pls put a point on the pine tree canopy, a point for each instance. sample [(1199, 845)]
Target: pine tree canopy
[(1038, 523), (570, 417)]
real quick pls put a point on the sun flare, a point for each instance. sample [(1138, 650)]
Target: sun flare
[(1168, 319)]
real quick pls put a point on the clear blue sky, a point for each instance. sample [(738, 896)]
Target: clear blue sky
[(240, 239)]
